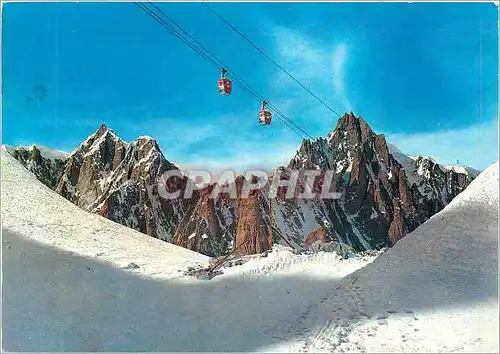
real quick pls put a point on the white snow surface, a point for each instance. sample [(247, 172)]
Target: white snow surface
[(51, 154), (419, 174), (408, 163), (74, 281), (425, 157), (464, 170), (46, 152), (7, 148), (31, 209), (434, 291)]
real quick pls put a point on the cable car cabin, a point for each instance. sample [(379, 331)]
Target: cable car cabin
[(224, 84), (265, 116)]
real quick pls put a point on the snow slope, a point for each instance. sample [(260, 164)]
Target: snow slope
[(74, 281), (30, 208), (434, 291)]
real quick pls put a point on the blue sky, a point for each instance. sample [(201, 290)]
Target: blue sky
[(412, 70)]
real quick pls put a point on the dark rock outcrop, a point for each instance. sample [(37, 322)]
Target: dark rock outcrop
[(46, 166)]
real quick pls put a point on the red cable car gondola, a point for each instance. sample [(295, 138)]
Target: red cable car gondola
[(224, 84), (265, 116)]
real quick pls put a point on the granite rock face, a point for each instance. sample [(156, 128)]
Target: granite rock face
[(382, 194), (119, 181), (385, 194)]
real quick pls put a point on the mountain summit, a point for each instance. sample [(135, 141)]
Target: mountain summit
[(108, 176), (384, 193)]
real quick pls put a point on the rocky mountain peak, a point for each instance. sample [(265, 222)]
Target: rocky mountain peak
[(346, 121), (382, 194), (145, 146), (119, 180), (351, 137), (383, 197), (100, 145), (353, 128), (426, 165), (148, 142), (144, 155), (89, 165), (102, 129)]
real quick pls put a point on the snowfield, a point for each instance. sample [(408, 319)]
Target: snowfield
[(436, 290), (74, 281), (31, 209)]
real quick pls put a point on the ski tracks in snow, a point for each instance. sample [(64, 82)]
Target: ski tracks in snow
[(339, 316), (347, 321), (338, 312), (350, 323)]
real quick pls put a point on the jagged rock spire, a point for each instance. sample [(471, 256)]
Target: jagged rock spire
[(383, 196), (102, 129)]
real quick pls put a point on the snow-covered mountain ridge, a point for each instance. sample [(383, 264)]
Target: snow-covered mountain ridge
[(386, 194)]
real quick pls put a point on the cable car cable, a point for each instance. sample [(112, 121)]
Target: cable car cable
[(232, 74), (162, 23), (157, 18), (268, 57), (203, 55), (235, 77)]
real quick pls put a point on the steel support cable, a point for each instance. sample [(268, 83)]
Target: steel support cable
[(216, 63), (162, 23), (269, 58), (237, 78), (148, 11)]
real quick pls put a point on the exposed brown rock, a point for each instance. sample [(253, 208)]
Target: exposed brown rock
[(381, 148), (404, 192), (366, 131), (202, 227), (47, 170), (397, 230), (381, 201), (317, 235), (252, 233), (120, 181)]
